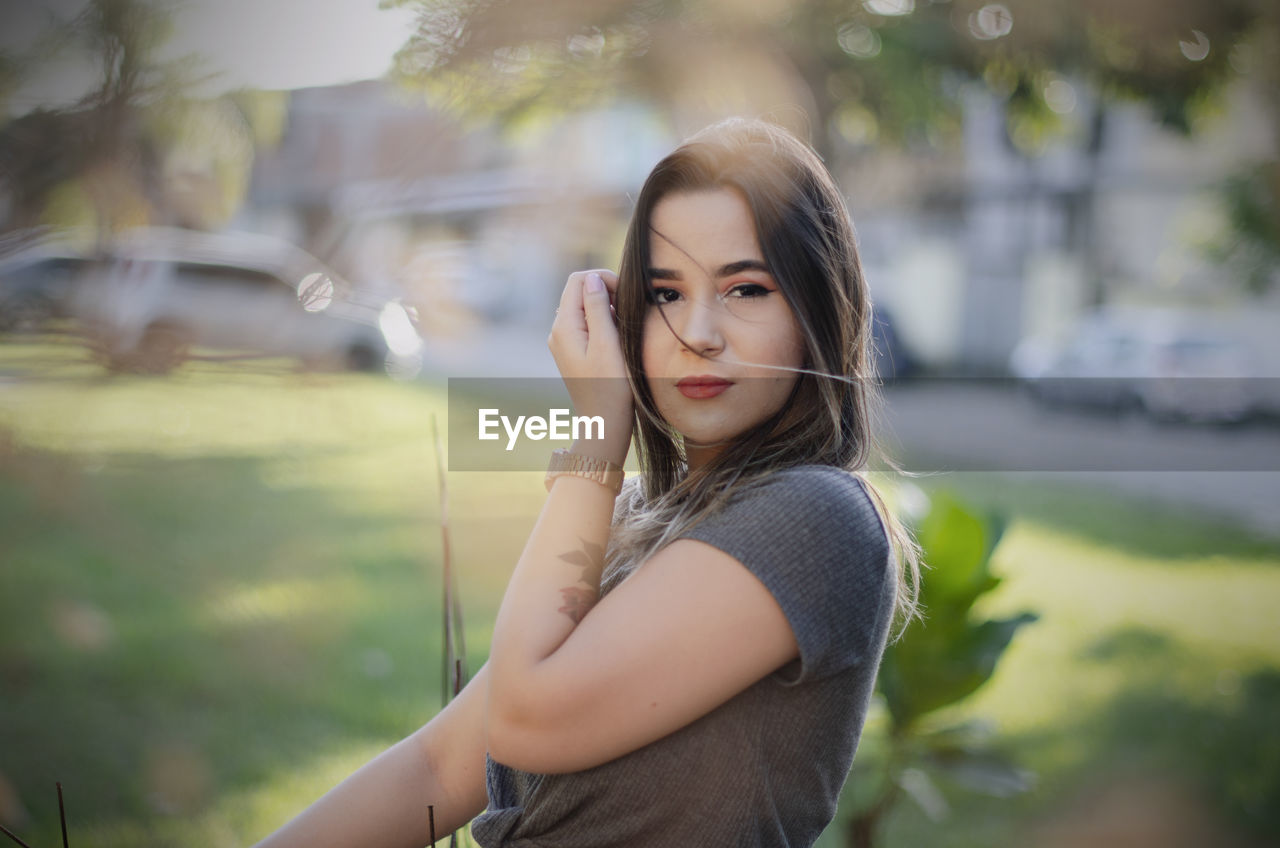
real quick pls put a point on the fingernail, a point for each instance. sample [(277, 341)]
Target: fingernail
[(594, 283)]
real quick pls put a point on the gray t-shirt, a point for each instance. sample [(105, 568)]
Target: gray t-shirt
[(766, 767)]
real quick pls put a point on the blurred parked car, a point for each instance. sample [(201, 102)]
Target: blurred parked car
[(1167, 371), (158, 293), (35, 285), (1199, 377)]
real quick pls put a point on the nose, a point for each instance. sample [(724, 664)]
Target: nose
[(703, 331)]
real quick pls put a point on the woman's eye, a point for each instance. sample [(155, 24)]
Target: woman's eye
[(662, 295), (749, 290)]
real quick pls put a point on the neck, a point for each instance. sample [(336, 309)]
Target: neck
[(699, 455)]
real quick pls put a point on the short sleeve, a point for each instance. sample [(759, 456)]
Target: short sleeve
[(813, 537)]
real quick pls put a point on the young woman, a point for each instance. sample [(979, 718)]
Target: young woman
[(688, 661)]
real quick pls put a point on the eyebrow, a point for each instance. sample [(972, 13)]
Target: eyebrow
[(723, 271)]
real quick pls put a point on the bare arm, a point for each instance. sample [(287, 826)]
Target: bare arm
[(685, 633), (384, 803)]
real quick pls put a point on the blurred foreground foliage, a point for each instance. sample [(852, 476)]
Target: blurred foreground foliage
[(936, 663)]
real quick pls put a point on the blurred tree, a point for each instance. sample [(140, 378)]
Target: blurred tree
[(847, 75), (1251, 246), (135, 148), (876, 70), (1251, 197), (95, 143)]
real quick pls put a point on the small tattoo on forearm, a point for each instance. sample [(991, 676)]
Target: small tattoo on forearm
[(590, 559), (578, 600)]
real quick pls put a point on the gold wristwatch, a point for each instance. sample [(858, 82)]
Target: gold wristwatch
[(602, 471)]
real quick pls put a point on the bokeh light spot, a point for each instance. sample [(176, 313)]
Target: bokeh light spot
[(859, 41), (991, 21), (890, 8), (315, 292), (1196, 50), (1060, 96)]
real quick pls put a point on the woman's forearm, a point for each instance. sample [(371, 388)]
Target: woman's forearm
[(556, 580), (382, 804), (385, 803)]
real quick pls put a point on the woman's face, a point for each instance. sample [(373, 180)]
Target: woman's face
[(713, 287)]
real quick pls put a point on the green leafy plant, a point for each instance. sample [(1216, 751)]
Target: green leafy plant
[(937, 663)]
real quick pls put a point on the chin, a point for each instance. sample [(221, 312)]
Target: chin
[(702, 427), (704, 434)]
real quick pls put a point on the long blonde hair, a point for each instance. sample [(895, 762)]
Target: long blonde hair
[(808, 243)]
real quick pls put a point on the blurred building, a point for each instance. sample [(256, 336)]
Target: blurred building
[(1004, 246), (471, 225), (969, 248)]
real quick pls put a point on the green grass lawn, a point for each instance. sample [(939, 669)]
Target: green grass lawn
[(220, 594)]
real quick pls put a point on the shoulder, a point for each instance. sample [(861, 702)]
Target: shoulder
[(805, 499), (808, 506), (812, 519), (813, 483), (814, 538)]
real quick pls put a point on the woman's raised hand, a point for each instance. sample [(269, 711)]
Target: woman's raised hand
[(584, 342)]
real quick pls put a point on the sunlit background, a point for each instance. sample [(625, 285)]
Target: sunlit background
[(244, 245)]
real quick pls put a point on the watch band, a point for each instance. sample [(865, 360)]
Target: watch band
[(600, 470)]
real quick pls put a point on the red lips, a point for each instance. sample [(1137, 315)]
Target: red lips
[(702, 386)]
